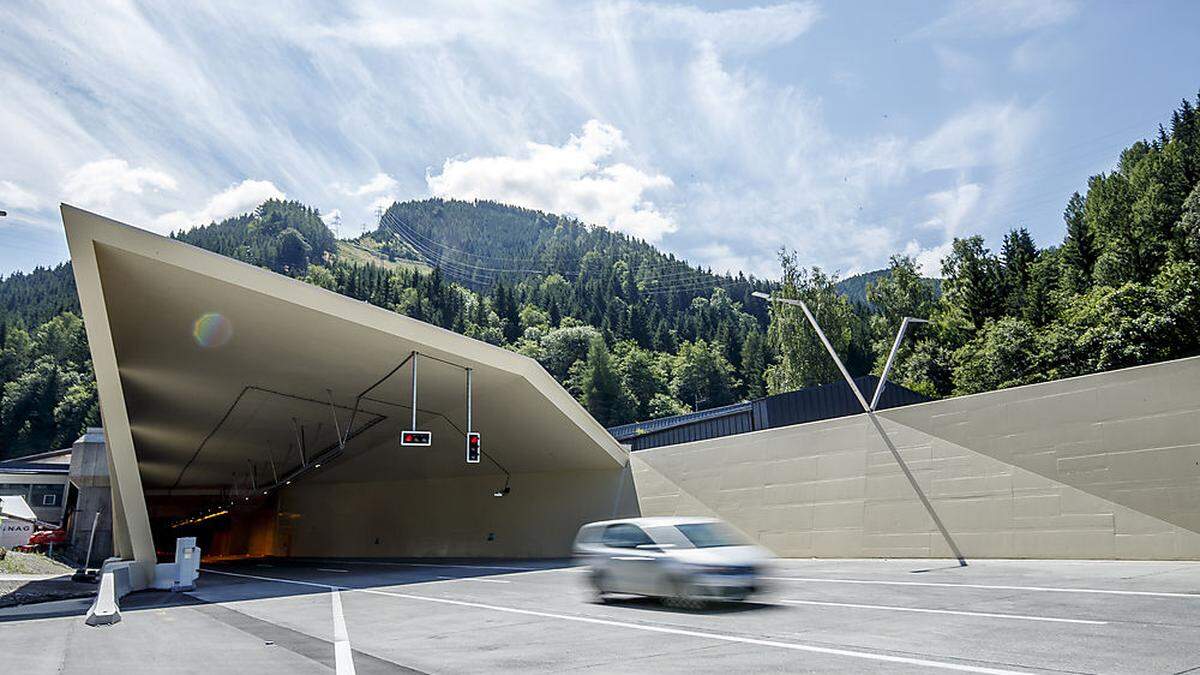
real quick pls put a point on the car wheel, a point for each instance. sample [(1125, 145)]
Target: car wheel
[(599, 593), (679, 598)]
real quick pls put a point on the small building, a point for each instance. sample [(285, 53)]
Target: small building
[(67, 488), (810, 404), (42, 480)]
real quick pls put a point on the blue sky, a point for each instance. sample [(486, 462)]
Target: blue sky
[(719, 131)]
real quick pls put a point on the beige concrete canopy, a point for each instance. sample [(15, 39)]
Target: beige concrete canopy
[(210, 369)]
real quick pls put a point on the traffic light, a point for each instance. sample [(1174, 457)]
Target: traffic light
[(473, 448), (422, 439)]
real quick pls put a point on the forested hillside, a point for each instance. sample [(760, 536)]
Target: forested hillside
[(31, 299), (635, 333), (855, 287), (282, 236), (631, 331)]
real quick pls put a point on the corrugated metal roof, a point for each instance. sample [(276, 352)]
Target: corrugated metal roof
[(825, 401), (625, 432), (52, 457), (36, 469)]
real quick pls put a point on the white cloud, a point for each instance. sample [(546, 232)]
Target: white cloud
[(381, 203), (982, 135), (237, 199), (381, 182), (97, 184), (959, 69), (14, 197), (989, 18), (749, 29), (951, 208), (753, 159), (577, 178), (1042, 53)]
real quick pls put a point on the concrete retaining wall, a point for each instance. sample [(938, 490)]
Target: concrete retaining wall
[(1102, 466)]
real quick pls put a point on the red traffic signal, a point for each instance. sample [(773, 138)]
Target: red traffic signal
[(422, 439), (474, 449)]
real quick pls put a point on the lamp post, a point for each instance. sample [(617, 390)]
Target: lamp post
[(824, 340), (870, 409), (887, 367), (867, 407)]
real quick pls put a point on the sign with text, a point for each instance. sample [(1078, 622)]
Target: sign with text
[(15, 532)]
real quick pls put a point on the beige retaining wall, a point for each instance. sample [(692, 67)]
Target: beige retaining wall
[(1101, 466)]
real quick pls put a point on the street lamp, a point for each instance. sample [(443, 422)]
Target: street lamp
[(870, 409), (824, 340), (867, 407), (892, 357)]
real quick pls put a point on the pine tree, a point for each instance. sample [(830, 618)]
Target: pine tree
[(602, 392), (973, 283), (1017, 254), (754, 365), (1079, 246)]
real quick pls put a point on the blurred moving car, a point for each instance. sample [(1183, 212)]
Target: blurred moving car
[(679, 558)]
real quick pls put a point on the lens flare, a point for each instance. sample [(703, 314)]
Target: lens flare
[(212, 330)]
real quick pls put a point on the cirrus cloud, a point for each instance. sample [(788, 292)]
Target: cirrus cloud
[(13, 196)]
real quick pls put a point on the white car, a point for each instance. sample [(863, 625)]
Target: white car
[(681, 558)]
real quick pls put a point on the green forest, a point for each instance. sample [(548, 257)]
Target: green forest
[(635, 333)]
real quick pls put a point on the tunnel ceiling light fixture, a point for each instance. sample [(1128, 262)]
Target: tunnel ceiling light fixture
[(504, 490)]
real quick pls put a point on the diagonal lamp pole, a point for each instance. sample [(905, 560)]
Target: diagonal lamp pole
[(887, 368), (869, 408), (824, 340)]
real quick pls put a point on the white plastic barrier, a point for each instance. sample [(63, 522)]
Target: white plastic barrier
[(179, 575)]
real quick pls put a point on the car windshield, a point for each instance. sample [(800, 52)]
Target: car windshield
[(710, 535)]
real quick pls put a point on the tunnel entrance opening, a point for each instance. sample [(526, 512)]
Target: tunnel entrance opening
[(220, 381)]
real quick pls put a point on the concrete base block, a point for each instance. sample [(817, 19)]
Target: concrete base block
[(104, 611)]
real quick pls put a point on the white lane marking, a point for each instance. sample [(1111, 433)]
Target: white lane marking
[(343, 656), (923, 610), (450, 565), (1048, 589), (487, 581), (314, 584), (794, 646), (330, 569)]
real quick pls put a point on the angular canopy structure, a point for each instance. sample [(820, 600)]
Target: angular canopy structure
[(222, 382)]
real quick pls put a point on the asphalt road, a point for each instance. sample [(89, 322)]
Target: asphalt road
[(496, 616)]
